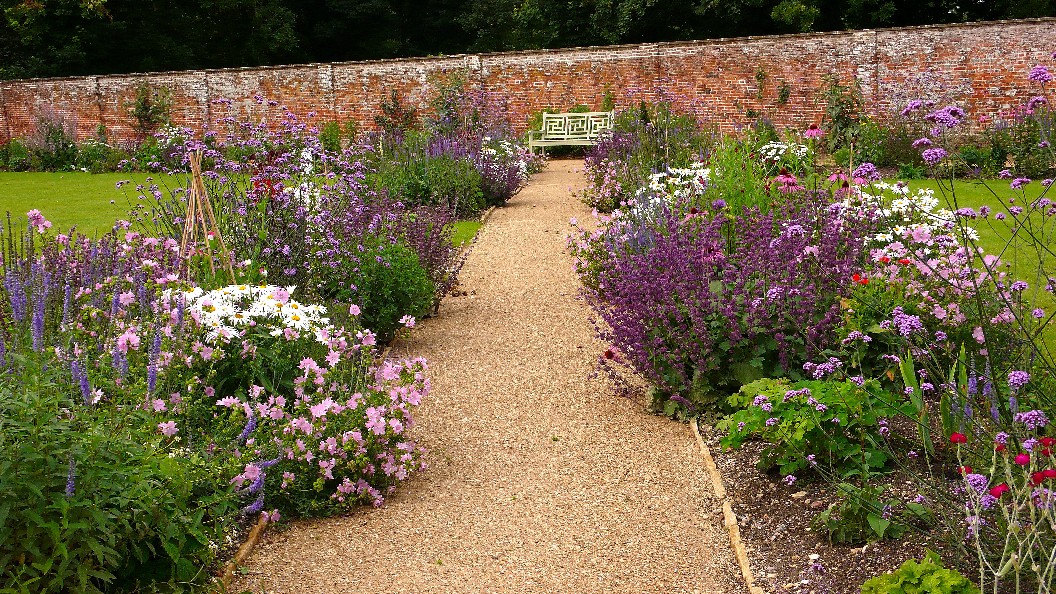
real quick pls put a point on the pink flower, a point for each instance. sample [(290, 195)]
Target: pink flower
[(408, 321), (813, 131), (168, 428), (281, 295), (977, 334), (37, 220), (1022, 459), (159, 405), (333, 357), (353, 309), (128, 340)]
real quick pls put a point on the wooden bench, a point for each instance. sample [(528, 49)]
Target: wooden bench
[(566, 129)]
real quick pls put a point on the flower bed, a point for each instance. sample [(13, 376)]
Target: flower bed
[(157, 395), (889, 378)]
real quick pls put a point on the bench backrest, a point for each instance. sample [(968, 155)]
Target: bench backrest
[(576, 126)]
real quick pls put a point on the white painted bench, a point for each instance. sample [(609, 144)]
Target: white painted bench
[(565, 129)]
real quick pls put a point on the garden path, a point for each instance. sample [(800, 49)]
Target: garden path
[(540, 478)]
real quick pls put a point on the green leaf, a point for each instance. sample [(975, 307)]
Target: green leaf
[(878, 524)]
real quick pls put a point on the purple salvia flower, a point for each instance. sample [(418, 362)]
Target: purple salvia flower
[(71, 478), (152, 363), (254, 508), (251, 426), (80, 376), (16, 291), (66, 299)]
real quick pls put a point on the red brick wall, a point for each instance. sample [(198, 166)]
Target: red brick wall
[(983, 66)]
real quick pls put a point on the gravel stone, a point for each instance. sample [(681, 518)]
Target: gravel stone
[(541, 478)]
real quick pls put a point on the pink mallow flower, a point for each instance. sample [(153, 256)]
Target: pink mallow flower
[(128, 340), (168, 428)]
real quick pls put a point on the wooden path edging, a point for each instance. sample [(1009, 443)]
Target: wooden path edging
[(729, 517)]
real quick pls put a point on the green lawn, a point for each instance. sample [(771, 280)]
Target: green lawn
[(1026, 259), (92, 202)]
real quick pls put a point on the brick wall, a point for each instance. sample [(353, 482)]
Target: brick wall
[(981, 65)]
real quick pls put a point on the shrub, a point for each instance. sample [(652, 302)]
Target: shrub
[(701, 301), (91, 500), (926, 576), (330, 137), (391, 283), (15, 155), (150, 108), (52, 146), (839, 427)]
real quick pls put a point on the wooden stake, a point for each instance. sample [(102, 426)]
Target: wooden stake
[(200, 221)]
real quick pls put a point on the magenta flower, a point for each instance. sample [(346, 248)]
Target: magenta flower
[(932, 156), (1040, 74), (813, 131)]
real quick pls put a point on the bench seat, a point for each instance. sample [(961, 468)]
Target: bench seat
[(570, 129)]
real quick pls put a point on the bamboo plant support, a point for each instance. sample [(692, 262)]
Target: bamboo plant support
[(200, 222)]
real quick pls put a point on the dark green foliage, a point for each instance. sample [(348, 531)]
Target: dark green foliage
[(73, 37), (926, 576), (392, 283), (14, 156), (130, 513), (862, 515)]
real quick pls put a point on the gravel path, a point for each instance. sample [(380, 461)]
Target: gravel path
[(541, 479)]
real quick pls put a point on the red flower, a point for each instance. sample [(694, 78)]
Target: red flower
[(884, 259), (999, 490), (966, 470), (1037, 477), (904, 261), (1022, 459), (610, 354), (958, 438), (1049, 473), (999, 447), (1047, 441)]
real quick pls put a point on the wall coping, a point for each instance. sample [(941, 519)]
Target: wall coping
[(655, 46)]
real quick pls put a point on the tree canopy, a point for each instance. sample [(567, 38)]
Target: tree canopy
[(79, 37)]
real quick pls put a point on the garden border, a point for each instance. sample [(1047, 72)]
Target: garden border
[(258, 530), (729, 517), (256, 533)]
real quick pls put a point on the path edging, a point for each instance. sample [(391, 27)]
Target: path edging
[(243, 552), (729, 517)]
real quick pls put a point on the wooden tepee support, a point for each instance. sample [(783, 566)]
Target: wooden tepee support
[(199, 224)]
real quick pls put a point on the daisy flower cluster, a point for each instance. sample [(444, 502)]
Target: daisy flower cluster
[(911, 218), (678, 182), (226, 312), (775, 154)]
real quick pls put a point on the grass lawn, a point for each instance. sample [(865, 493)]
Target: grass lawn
[(1025, 258), (92, 202), (89, 201)]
